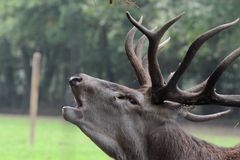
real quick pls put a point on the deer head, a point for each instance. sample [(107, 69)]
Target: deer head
[(138, 123)]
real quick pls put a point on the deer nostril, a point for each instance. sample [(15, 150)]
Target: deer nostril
[(75, 80)]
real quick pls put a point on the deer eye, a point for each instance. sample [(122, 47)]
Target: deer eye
[(121, 97), (133, 101), (129, 98)]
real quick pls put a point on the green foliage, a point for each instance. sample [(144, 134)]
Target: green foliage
[(88, 36)]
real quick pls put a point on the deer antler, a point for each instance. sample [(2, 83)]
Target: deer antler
[(134, 56), (139, 47), (203, 93), (154, 38), (201, 118)]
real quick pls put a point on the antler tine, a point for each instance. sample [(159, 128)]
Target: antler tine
[(204, 93), (207, 87), (138, 51), (138, 25), (194, 117), (139, 46), (228, 100), (153, 67), (145, 63), (199, 87), (195, 46), (212, 80), (202, 118), (154, 38), (209, 83), (136, 63), (160, 46)]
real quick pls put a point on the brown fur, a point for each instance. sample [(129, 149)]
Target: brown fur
[(172, 143), (135, 131)]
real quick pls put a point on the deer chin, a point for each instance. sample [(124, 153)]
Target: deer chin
[(73, 114)]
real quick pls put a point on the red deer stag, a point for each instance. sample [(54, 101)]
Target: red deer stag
[(138, 124)]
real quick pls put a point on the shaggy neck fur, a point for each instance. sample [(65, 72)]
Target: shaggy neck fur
[(169, 142)]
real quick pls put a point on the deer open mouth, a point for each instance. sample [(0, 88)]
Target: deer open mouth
[(79, 107), (73, 114), (77, 98), (79, 103), (74, 84)]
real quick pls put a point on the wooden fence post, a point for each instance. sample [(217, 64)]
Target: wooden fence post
[(34, 94)]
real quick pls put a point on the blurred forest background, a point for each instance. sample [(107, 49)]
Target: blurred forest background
[(87, 36)]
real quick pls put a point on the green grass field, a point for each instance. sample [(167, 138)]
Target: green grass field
[(59, 140)]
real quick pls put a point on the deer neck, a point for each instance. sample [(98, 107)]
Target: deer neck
[(163, 142), (171, 142)]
